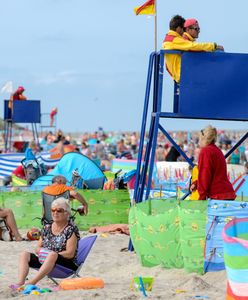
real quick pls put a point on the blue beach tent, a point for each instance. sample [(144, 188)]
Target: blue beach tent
[(91, 173)]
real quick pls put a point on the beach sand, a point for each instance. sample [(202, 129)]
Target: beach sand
[(116, 268)]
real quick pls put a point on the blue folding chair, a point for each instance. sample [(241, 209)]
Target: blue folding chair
[(84, 246)]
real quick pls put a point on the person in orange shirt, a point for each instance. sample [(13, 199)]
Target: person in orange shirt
[(59, 187)]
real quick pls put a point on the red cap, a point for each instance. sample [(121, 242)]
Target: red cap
[(190, 22), (20, 89)]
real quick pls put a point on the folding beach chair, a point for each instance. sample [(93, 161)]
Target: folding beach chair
[(84, 246), (47, 200)]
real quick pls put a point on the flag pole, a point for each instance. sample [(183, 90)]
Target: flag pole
[(155, 26)]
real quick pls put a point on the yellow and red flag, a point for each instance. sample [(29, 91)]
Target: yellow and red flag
[(147, 8)]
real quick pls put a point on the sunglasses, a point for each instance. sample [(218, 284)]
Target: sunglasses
[(58, 210), (196, 28)]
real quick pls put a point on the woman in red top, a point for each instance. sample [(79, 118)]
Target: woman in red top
[(212, 181)]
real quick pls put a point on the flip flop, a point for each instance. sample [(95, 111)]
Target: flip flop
[(14, 286), (124, 249)]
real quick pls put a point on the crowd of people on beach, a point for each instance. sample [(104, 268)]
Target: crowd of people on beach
[(105, 146), (212, 183)]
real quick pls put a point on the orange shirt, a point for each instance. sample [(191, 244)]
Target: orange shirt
[(57, 189)]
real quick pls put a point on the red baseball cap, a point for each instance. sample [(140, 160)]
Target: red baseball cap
[(20, 89), (190, 22)]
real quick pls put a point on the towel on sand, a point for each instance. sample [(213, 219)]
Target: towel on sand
[(111, 228)]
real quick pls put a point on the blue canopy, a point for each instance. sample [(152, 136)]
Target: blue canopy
[(91, 173)]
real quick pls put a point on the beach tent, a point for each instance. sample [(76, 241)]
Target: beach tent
[(240, 186), (90, 172)]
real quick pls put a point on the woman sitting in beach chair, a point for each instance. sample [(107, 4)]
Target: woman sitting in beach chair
[(58, 245)]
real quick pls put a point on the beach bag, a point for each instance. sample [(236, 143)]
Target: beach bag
[(32, 173), (43, 254), (77, 181), (33, 234)]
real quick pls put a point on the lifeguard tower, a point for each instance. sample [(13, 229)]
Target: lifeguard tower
[(213, 86), (22, 112)]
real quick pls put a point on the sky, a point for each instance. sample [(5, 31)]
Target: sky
[(90, 58)]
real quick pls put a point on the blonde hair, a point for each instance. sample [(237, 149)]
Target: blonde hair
[(63, 202), (209, 134)]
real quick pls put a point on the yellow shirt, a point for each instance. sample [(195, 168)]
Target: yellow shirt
[(188, 37), (176, 42), (194, 195)]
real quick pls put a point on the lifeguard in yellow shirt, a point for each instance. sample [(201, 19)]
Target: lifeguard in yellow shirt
[(191, 30), (174, 41)]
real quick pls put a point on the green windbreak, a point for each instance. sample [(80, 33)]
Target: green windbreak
[(105, 207), (172, 235)]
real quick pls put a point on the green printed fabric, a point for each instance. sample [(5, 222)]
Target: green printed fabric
[(105, 207), (193, 220), (169, 234)]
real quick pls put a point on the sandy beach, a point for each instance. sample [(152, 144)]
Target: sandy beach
[(116, 268)]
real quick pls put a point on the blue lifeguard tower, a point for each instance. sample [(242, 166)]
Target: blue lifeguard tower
[(213, 86), (21, 112)]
